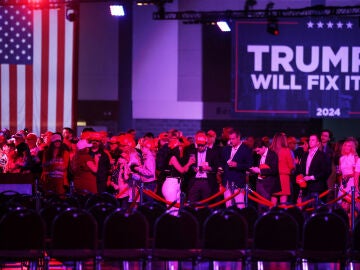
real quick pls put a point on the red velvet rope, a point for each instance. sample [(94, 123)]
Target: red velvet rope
[(121, 193), (256, 198), (226, 199), (221, 191), (157, 197), (133, 203), (260, 199)]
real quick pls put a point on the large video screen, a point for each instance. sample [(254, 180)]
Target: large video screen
[(309, 70)]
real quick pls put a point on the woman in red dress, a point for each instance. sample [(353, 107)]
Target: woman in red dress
[(286, 167)]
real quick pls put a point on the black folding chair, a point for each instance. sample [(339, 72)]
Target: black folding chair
[(225, 237), (22, 235), (101, 198), (250, 214), (126, 238), (152, 211), (276, 238), (299, 217), (100, 212), (325, 239), (74, 238), (176, 237), (201, 214)]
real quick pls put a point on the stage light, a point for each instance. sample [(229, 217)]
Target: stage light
[(71, 13), (223, 26), (152, 2), (117, 10)]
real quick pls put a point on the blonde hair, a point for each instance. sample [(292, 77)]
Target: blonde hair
[(353, 146), (279, 141)]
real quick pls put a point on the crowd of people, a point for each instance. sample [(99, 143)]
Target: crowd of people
[(281, 170)]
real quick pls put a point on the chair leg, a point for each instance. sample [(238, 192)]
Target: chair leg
[(125, 265), (79, 265), (33, 265), (97, 262)]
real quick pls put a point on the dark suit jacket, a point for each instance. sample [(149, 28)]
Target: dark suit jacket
[(212, 158), (243, 158), (320, 168), (271, 180)]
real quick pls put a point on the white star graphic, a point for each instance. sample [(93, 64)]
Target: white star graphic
[(349, 25), (310, 24), (330, 25), (320, 24), (339, 25)]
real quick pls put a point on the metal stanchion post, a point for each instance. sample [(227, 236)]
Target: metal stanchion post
[(246, 200), (72, 188), (316, 200), (141, 192), (37, 195), (182, 200), (352, 208), (133, 190), (232, 188), (336, 190)]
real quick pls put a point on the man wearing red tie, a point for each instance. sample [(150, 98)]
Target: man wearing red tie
[(236, 160)]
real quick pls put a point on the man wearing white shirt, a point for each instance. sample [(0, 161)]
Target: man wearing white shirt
[(203, 181), (267, 171), (236, 161), (316, 168)]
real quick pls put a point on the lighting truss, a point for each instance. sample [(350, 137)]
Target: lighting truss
[(211, 16), (46, 4)]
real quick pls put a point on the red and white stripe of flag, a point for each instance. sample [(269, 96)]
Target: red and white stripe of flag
[(40, 96)]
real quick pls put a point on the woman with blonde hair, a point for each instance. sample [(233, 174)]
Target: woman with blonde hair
[(286, 166), (347, 168)]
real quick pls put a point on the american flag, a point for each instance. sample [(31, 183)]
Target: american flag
[(36, 69)]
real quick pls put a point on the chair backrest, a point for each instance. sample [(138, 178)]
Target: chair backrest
[(276, 230), (225, 229), (22, 229), (201, 214), (152, 211), (124, 230), (325, 231), (101, 198), (250, 214), (340, 211), (356, 235), (49, 213), (74, 229), (100, 212), (299, 217), (176, 230)]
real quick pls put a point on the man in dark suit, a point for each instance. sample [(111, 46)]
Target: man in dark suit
[(267, 171), (326, 147), (236, 161), (202, 183), (316, 168)]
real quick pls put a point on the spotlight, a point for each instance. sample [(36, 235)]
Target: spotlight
[(152, 2), (117, 10), (273, 27), (223, 26), (71, 14)]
